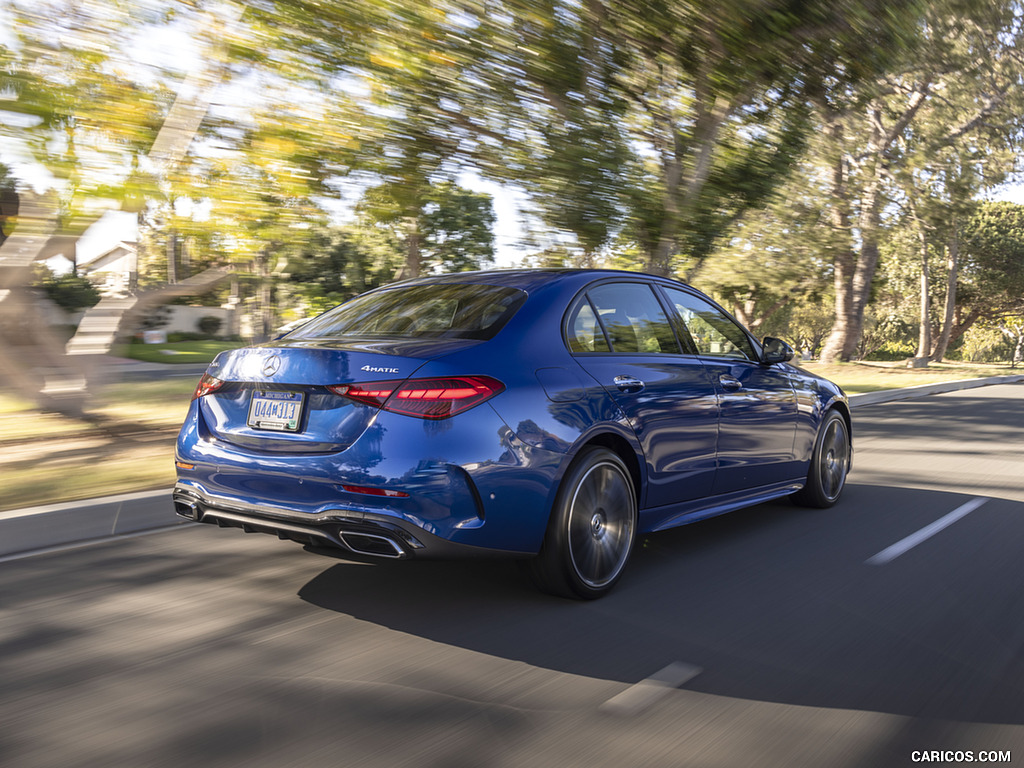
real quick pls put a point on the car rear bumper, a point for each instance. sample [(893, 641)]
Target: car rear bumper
[(337, 532)]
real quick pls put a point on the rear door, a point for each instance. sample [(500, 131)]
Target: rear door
[(620, 333)]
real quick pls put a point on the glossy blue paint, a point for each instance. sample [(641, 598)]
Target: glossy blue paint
[(700, 434)]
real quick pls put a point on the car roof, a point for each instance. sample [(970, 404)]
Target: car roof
[(528, 278)]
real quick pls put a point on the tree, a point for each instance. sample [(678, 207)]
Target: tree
[(776, 259), (458, 229), (337, 264), (961, 79), (992, 249), (1013, 329)]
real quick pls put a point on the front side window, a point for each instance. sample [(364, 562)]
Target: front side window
[(632, 320), (714, 333), (440, 310)]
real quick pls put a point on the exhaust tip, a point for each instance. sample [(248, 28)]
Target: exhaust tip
[(370, 544), (186, 509)]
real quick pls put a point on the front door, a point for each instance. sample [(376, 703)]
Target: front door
[(758, 414), (621, 335)]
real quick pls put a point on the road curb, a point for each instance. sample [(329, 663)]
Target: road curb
[(77, 522), (922, 390)]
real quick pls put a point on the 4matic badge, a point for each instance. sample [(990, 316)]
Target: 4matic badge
[(373, 369)]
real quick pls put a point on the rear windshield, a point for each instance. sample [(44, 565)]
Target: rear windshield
[(445, 310)]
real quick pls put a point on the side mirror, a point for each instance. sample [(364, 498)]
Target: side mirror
[(775, 351)]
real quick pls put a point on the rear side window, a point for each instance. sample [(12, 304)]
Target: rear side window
[(628, 316), (440, 310), (585, 334)]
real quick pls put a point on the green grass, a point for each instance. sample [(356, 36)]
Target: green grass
[(176, 352), (111, 472), (51, 458), (872, 377), (163, 402)]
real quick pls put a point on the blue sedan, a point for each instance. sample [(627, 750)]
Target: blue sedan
[(545, 415)]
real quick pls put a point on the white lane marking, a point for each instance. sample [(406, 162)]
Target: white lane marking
[(639, 697), (889, 554)]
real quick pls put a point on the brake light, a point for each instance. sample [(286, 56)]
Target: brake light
[(206, 385), (436, 398)]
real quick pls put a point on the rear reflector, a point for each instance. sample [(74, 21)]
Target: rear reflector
[(438, 398), (376, 491)]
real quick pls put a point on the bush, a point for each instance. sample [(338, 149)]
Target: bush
[(209, 324), (983, 344), (891, 351), (158, 318), (71, 292)]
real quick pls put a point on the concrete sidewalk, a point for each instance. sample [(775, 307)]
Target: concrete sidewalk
[(27, 531)]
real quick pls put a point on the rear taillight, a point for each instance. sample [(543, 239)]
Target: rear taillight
[(206, 385), (437, 398)]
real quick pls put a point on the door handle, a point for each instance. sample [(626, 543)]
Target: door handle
[(729, 383), (628, 384)]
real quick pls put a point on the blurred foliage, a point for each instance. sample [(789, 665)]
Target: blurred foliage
[(774, 153)]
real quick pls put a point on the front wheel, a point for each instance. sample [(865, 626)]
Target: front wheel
[(592, 529), (830, 463)]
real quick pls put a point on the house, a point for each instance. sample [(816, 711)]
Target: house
[(114, 271)]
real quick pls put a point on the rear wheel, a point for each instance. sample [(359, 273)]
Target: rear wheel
[(592, 529), (830, 463)]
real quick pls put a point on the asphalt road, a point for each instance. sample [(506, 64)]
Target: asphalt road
[(820, 638)]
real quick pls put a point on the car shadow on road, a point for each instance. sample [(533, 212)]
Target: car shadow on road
[(774, 603)]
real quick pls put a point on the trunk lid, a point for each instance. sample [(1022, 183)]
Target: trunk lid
[(275, 397)]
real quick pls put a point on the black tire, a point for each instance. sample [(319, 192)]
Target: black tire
[(830, 464), (591, 531)]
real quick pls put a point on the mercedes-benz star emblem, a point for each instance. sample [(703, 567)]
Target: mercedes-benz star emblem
[(271, 365)]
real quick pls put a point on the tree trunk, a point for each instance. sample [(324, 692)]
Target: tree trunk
[(263, 326), (852, 300), (685, 181), (867, 259), (952, 275), (660, 261), (924, 336), (413, 259), (412, 266), (172, 256), (844, 258)]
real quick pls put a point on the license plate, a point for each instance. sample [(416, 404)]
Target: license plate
[(277, 411)]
